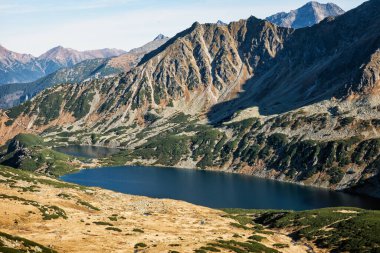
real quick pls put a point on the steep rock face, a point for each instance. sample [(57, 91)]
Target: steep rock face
[(211, 60), (310, 14)]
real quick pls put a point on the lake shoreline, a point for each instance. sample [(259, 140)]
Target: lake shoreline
[(244, 186), (98, 162)]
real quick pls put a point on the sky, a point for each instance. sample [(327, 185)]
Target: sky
[(35, 26)]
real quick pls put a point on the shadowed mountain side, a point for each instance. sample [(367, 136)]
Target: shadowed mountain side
[(369, 185), (333, 59)]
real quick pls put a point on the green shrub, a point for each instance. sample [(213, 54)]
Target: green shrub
[(281, 245), (140, 245), (114, 229), (88, 205), (256, 238), (102, 223), (138, 230), (336, 175)]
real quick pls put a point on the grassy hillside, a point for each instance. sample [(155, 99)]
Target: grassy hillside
[(342, 229), (29, 152), (15, 244)]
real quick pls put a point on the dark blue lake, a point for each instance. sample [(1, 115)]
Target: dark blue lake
[(215, 189)]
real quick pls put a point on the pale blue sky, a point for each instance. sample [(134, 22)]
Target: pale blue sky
[(34, 26)]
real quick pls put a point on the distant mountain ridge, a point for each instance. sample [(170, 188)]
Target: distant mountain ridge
[(59, 57), (17, 68), (310, 14), (87, 69)]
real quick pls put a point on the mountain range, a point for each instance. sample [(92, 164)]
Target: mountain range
[(15, 93), (61, 61), (310, 14), (248, 97), (19, 68), (15, 67)]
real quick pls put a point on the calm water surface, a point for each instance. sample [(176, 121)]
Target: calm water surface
[(215, 189)]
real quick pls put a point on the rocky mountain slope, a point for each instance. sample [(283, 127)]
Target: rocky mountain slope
[(15, 93), (293, 105), (17, 68), (310, 14)]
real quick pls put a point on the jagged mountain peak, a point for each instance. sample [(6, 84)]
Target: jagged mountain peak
[(195, 24), (220, 22), (307, 15), (160, 37), (329, 9), (316, 4), (58, 52), (59, 47)]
